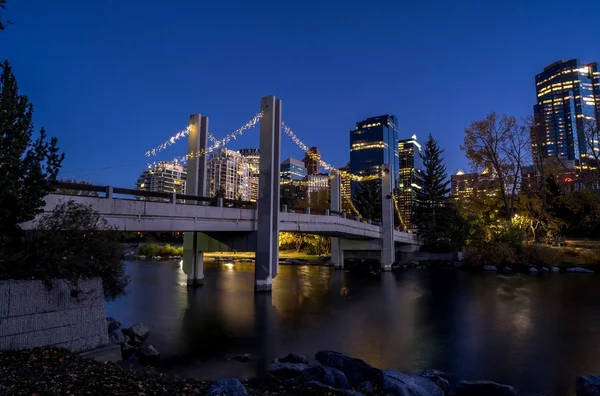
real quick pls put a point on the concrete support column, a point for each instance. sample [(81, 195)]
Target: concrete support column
[(267, 242), (173, 198), (388, 250), (307, 211), (109, 192), (193, 259), (284, 208), (337, 254), (220, 202)]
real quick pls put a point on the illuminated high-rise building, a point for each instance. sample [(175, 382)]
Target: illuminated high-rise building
[(411, 177), (568, 97), (252, 156), (165, 177), (374, 142), (345, 187), (292, 169), (311, 161), (227, 171)]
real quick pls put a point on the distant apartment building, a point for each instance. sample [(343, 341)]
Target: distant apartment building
[(410, 177), (373, 143), (312, 161), (469, 185), (345, 187), (252, 156), (165, 177), (292, 169), (227, 172), (568, 100)]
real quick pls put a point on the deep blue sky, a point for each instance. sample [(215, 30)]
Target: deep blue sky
[(114, 78)]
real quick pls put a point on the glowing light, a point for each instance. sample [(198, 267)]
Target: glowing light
[(169, 142)]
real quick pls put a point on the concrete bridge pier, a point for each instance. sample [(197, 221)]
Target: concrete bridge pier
[(388, 248), (193, 259), (337, 253), (267, 237)]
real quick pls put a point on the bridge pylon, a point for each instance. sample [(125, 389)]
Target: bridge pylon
[(267, 236), (388, 248), (337, 253), (193, 258)]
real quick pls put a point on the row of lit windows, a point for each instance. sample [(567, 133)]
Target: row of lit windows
[(368, 145)]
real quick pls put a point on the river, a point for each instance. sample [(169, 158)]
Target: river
[(536, 333)]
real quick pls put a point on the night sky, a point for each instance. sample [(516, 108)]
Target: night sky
[(112, 79)]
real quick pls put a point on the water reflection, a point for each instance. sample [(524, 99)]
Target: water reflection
[(537, 333)]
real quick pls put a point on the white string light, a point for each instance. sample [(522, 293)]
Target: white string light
[(169, 142)]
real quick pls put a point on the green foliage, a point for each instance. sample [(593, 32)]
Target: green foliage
[(72, 242), (291, 240), (541, 255), (367, 199), (153, 249), (317, 244), (490, 253)]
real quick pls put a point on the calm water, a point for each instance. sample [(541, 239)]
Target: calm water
[(536, 333)]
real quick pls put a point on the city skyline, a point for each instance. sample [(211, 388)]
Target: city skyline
[(111, 95)]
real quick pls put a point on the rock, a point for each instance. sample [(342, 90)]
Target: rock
[(506, 269), (459, 264), (366, 387), (439, 378), (117, 336), (555, 269), (533, 270), (227, 387), (287, 370), (293, 358), (127, 351), (396, 383), (327, 375), (135, 341), (412, 264), (350, 392), (312, 385), (484, 388), (244, 357), (113, 324), (588, 385), (580, 270), (490, 268), (356, 370), (138, 330), (147, 355), (545, 269)]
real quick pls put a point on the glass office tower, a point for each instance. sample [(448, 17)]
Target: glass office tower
[(411, 178), (292, 169), (568, 97), (373, 143)]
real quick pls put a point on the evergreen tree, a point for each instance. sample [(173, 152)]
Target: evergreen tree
[(28, 168), (367, 199), (432, 214)]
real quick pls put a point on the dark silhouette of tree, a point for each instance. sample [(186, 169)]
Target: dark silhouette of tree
[(2, 8), (367, 199), (28, 167), (82, 193)]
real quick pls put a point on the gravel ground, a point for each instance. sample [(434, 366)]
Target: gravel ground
[(50, 371)]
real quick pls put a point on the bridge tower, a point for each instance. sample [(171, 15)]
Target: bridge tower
[(337, 253), (193, 258), (388, 247), (267, 238)]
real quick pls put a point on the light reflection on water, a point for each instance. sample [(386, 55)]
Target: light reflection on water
[(536, 333)]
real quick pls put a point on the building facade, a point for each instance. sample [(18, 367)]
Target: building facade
[(292, 169), (467, 185), (374, 142), (252, 156), (227, 173), (165, 177), (410, 164), (345, 187), (568, 98), (312, 161)]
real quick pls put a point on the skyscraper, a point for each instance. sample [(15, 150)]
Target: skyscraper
[(252, 156), (292, 169), (311, 161), (227, 171), (374, 142), (165, 177), (411, 177), (568, 97), (345, 187)]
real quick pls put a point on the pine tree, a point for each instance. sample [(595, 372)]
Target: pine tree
[(28, 168), (367, 199), (432, 214)]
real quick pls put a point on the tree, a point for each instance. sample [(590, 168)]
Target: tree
[(2, 8), (293, 239), (28, 168), (367, 199), (499, 145), (431, 211), (82, 193)]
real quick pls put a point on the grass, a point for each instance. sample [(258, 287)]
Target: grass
[(284, 254)]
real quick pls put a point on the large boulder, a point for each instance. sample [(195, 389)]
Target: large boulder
[(484, 388), (396, 383), (327, 375), (292, 358), (127, 351), (243, 357), (580, 270), (138, 330), (117, 336), (588, 385), (490, 268), (112, 324), (147, 355), (439, 378), (227, 387), (287, 370), (356, 370)]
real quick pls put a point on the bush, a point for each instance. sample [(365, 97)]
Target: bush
[(154, 249), (490, 253), (73, 242), (541, 255)]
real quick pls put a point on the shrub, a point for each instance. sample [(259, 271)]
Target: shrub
[(154, 249), (72, 242), (490, 253), (541, 255)]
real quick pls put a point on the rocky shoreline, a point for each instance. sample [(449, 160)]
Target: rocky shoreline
[(52, 371)]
